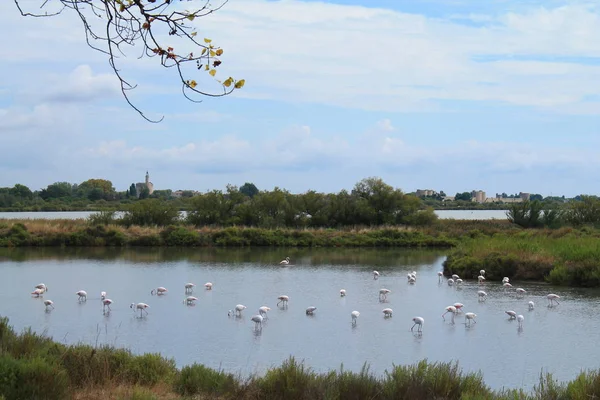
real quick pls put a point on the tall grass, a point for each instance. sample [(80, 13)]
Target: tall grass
[(32, 366)]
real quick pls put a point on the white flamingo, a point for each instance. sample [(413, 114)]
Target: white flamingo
[(521, 291), (190, 300), (511, 314), (286, 261), (459, 281), (311, 310), (412, 280), (342, 292), (440, 275), (458, 306), (208, 285), (482, 272), (257, 319), (189, 287), (505, 279), (387, 312), (375, 274), (106, 304), (239, 308), (455, 277), (531, 305), (520, 320), (140, 306), (507, 285), (158, 291), (450, 282), (49, 303), (41, 286), (82, 295), (553, 298), (482, 295), (283, 299), (38, 292), (355, 315), (263, 311), (481, 279), (470, 317), (383, 293), (418, 321), (102, 295), (449, 309)]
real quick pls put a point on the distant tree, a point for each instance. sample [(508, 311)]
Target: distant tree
[(585, 211), (21, 191), (144, 193), (96, 189), (527, 214), (57, 190), (465, 196), (534, 197), (249, 189), (132, 191)]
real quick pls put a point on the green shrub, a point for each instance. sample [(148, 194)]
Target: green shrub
[(179, 236), (106, 217), (197, 378), (32, 379), (149, 369)]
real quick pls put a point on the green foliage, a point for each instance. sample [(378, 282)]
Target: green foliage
[(249, 189), (180, 236), (105, 217), (196, 378), (584, 212), (132, 191), (150, 212)]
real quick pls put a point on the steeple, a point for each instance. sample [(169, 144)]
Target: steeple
[(147, 177)]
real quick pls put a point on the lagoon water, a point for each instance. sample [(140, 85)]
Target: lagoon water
[(562, 340), (443, 214)]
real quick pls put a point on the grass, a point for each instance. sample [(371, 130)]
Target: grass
[(33, 366)]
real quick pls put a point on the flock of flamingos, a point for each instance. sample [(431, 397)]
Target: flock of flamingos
[(418, 322)]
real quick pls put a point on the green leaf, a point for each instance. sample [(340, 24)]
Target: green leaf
[(212, 72), (240, 84)]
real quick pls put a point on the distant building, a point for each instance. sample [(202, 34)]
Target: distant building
[(478, 196), (147, 184), (524, 196), (426, 192)]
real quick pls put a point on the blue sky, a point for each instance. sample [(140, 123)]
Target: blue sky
[(453, 95)]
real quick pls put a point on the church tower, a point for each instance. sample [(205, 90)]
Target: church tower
[(147, 178)]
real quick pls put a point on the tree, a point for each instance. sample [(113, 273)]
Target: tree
[(132, 191), (249, 189), (96, 189), (156, 27), (144, 193), (21, 191), (465, 196), (57, 190)]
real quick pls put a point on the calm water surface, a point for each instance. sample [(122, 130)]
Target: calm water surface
[(443, 214), (204, 333)]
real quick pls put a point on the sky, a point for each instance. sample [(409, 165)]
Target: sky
[(452, 95)]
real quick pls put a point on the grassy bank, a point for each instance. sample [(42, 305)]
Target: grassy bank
[(33, 366), (18, 233), (564, 256)]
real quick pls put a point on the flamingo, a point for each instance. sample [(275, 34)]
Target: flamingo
[(505, 279), (189, 287), (106, 303), (409, 276), (482, 295), (375, 275), (412, 280), (520, 320), (342, 292), (355, 315), (41, 286), (482, 272), (38, 292), (387, 312), (531, 305), (283, 299), (511, 314), (459, 281), (158, 291), (418, 321), (507, 285), (263, 311), (470, 317), (286, 261), (440, 274), (449, 309), (450, 282), (552, 298), (239, 308), (208, 285), (257, 319), (310, 310), (140, 306), (458, 306), (521, 291), (49, 303), (481, 279), (455, 277), (190, 300), (383, 292), (102, 295), (82, 295)]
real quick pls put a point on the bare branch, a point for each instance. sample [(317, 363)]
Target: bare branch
[(151, 24)]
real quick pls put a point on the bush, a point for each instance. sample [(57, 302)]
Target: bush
[(179, 236), (197, 378), (105, 217), (32, 379)]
